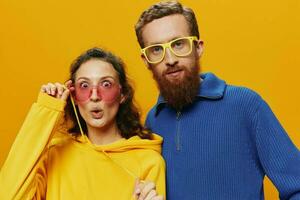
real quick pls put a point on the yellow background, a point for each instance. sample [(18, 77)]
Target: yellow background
[(251, 43)]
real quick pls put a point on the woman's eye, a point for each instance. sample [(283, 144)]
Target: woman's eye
[(84, 85), (106, 84)]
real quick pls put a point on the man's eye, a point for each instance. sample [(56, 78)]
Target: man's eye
[(178, 44), (156, 49)]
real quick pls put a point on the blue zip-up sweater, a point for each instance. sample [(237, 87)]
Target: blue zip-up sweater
[(222, 146)]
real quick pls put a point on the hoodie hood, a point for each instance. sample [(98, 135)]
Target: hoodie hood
[(122, 145)]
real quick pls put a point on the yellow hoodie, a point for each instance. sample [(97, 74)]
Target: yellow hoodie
[(45, 163)]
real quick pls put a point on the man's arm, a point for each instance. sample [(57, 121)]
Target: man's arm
[(279, 157)]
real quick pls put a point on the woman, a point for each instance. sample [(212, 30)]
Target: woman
[(96, 151)]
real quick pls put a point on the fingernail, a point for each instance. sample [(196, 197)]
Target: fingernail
[(137, 191)]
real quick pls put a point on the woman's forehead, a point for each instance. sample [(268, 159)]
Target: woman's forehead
[(96, 69)]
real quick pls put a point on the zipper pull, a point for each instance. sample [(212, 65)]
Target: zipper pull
[(178, 114)]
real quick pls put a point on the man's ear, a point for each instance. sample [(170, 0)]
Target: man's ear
[(145, 61), (199, 48)]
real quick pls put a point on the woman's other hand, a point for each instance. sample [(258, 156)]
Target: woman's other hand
[(146, 190)]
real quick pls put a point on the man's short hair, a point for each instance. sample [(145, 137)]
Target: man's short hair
[(162, 9)]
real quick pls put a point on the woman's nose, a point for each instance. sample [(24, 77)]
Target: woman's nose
[(94, 94)]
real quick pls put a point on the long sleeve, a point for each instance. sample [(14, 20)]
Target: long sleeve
[(156, 172), (279, 157), (24, 175)]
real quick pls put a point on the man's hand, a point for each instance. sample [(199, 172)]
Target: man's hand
[(145, 190)]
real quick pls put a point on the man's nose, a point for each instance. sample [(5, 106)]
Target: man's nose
[(170, 58)]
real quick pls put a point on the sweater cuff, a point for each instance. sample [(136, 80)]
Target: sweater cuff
[(50, 102)]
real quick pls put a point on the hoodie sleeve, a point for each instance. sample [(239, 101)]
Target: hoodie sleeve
[(279, 157), (155, 172), (24, 174)]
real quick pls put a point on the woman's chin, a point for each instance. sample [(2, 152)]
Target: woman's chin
[(96, 123)]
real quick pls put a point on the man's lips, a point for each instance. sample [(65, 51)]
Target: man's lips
[(174, 73)]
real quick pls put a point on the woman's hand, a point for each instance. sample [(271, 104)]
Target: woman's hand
[(145, 190), (57, 90)]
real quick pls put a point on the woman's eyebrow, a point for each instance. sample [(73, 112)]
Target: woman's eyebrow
[(101, 78)]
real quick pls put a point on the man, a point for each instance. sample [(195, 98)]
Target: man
[(219, 140)]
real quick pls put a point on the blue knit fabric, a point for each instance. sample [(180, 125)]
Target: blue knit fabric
[(223, 145)]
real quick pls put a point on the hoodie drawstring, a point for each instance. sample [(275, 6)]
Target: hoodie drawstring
[(77, 118), (122, 167)]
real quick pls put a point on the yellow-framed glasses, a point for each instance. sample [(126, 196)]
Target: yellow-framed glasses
[(180, 47)]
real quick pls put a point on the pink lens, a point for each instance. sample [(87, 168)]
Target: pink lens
[(110, 94), (107, 94)]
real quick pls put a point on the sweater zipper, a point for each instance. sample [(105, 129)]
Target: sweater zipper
[(177, 139)]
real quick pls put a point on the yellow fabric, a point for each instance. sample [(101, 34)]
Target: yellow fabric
[(47, 163)]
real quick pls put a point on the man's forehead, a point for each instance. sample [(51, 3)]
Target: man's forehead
[(165, 29)]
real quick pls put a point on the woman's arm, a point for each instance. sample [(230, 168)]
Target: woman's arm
[(153, 186), (24, 175)]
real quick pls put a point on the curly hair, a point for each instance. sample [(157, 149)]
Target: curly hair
[(128, 117), (163, 9)]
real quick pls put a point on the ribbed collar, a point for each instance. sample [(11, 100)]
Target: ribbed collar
[(211, 87)]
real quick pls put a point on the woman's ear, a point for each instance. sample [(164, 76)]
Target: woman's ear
[(123, 98), (73, 100)]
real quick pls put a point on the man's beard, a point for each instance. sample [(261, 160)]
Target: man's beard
[(179, 94)]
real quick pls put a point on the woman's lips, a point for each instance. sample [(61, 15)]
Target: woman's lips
[(97, 114)]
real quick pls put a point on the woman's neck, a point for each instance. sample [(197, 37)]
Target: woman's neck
[(105, 135)]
